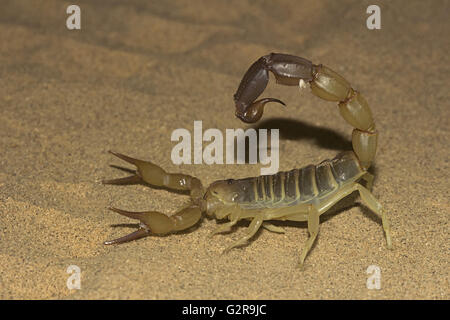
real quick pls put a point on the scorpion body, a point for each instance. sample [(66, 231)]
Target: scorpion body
[(297, 195), (308, 185)]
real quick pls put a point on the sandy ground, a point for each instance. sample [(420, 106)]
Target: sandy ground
[(136, 71)]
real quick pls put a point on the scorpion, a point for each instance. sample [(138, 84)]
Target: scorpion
[(297, 195)]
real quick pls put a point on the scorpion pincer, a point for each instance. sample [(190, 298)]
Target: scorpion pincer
[(297, 195)]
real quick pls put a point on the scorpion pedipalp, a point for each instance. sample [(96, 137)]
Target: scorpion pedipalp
[(154, 222)]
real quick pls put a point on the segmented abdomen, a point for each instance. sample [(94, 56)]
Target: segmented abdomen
[(299, 185)]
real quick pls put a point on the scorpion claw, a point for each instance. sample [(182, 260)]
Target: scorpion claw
[(133, 179), (126, 158), (158, 223), (153, 221), (127, 180), (140, 233), (129, 214)]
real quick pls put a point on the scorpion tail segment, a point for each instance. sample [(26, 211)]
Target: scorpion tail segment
[(288, 70), (140, 233), (156, 176), (254, 112), (158, 223), (329, 85), (253, 83)]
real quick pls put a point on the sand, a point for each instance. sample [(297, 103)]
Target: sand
[(137, 71)]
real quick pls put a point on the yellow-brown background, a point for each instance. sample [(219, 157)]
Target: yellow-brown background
[(137, 70)]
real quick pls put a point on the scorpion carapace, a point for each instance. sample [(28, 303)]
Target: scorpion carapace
[(297, 195)]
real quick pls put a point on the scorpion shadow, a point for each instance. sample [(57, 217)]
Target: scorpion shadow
[(290, 129), (300, 130)]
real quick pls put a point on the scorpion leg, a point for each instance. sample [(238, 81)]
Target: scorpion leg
[(272, 228), (224, 227), (368, 177), (153, 222), (234, 218), (313, 229), (251, 230), (370, 201)]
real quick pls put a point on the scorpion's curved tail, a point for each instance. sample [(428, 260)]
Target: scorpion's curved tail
[(325, 83), (153, 222)]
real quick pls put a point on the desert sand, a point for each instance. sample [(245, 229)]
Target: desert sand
[(136, 71)]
